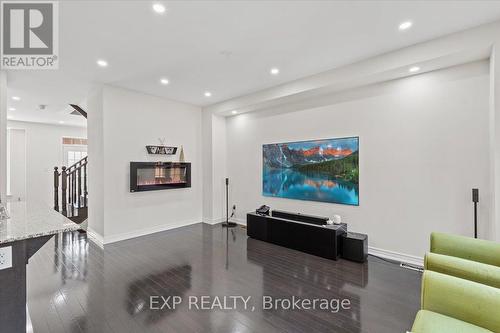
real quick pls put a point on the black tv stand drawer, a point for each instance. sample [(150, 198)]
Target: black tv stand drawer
[(316, 239)]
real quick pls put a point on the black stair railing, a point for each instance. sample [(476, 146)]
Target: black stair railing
[(71, 182)]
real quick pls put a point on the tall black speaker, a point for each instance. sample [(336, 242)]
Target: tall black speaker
[(228, 224), (475, 200)]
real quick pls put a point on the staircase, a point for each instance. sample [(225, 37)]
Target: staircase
[(71, 183)]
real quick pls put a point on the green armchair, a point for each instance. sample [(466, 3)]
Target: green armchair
[(468, 258), (483, 251), (462, 268), (455, 305)]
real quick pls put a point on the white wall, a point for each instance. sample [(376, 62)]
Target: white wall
[(495, 136), (219, 169), (207, 172), (214, 167), (95, 152), (3, 135), (16, 164), (423, 146), (44, 151), (130, 121)]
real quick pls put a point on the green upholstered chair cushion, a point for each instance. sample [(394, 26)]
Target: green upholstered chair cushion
[(465, 300), (484, 251), (462, 268), (432, 322)]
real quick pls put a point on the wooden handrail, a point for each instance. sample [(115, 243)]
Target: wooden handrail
[(78, 164)]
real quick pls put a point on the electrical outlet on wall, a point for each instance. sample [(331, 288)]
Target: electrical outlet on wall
[(5, 257)]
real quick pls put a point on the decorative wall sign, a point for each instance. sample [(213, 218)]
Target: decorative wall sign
[(161, 150)]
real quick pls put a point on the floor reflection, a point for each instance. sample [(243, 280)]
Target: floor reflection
[(71, 261), (76, 286), (174, 281), (311, 282)]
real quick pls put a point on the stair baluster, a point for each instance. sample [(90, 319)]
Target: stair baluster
[(79, 170), (85, 185), (74, 188), (56, 189), (74, 192), (64, 198), (70, 185)]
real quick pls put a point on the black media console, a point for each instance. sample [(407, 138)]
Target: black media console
[(301, 232)]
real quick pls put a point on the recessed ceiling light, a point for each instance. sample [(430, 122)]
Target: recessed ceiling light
[(159, 8), (414, 69), (102, 63), (61, 122), (208, 94), (10, 117), (405, 25), (16, 98), (164, 81), (234, 112), (274, 71), (12, 109)]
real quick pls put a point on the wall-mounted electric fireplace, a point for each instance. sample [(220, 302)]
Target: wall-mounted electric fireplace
[(151, 176)]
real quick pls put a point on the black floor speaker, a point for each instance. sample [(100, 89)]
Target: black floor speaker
[(354, 246)]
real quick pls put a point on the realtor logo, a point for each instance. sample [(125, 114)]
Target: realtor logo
[(29, 35)]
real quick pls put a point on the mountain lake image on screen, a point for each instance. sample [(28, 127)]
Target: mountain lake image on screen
[(317, 170)]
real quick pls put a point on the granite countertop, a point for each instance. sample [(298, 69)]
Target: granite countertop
[(31, 220)]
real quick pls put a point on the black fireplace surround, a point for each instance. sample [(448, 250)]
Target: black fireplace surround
[(152, 176)]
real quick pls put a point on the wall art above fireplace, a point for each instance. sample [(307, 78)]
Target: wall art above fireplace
[(152, 176)]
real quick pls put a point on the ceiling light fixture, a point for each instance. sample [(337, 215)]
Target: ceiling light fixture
[(414, 69), (405, 25), (61, 122), (10, 117), (16, 98), (208, 94), (12, 109), (159, 8), (274, 71), (234, 112), (102, 63), (164, 81)]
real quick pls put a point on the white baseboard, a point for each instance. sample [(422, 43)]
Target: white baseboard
[(401, 257), (146, 231), (95, 237), (239, 221), (391, 255), (222, 219), (212, 221), (100, 240)]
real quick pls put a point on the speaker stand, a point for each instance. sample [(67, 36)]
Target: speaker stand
[(228, 224), (475, 219), (475, 200)]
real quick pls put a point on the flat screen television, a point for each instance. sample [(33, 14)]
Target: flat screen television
[(324, 170)]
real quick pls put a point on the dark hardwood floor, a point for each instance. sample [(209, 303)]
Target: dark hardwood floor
[(75, 286)]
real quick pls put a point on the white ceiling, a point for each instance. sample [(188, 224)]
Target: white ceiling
[(224, 47)]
